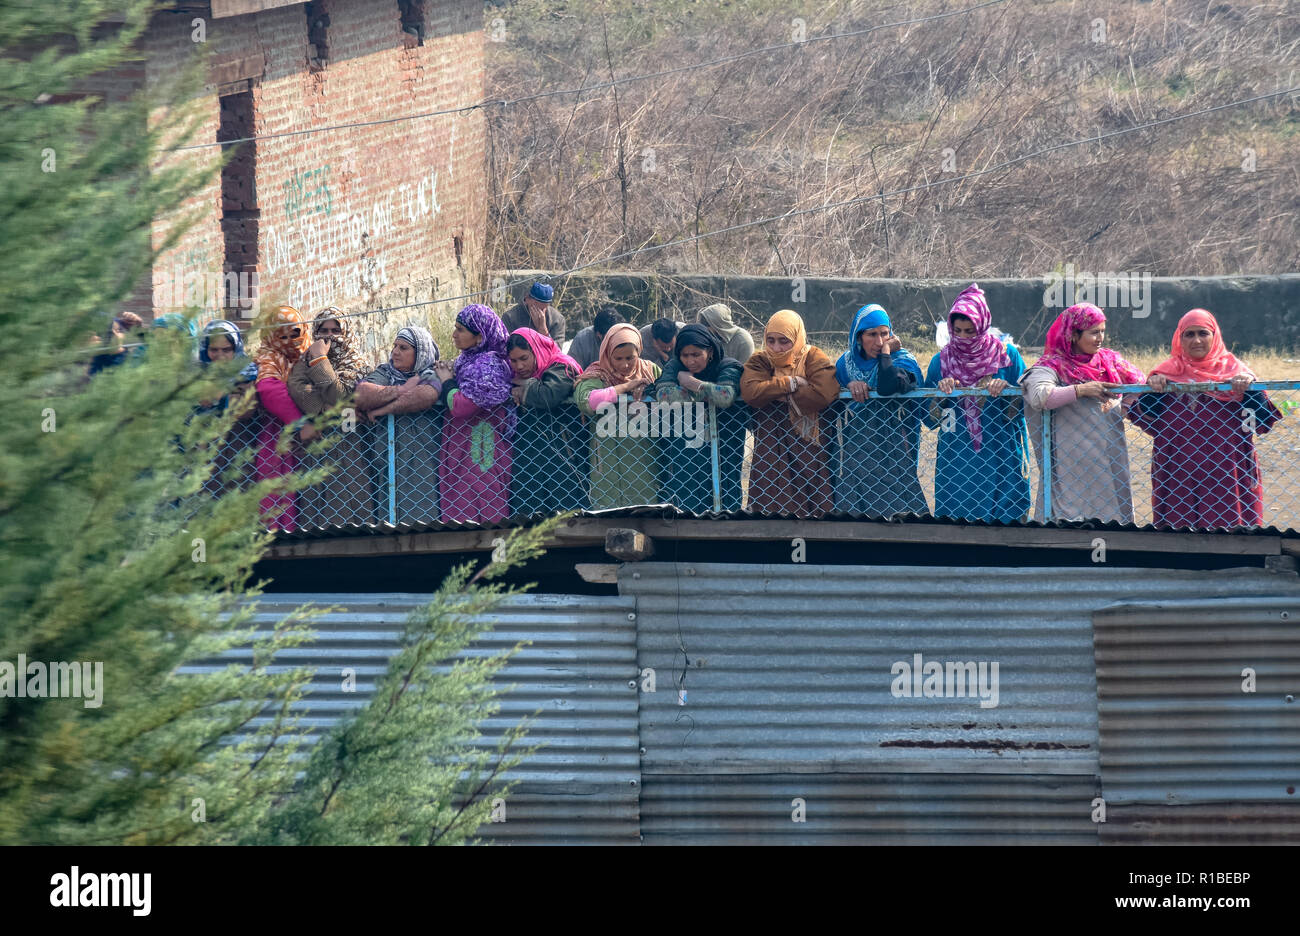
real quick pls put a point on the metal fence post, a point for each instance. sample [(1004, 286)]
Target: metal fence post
[(392, 472), (1047, 465), (717, 471)]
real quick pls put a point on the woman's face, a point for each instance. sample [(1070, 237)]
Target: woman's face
[(403, 356), (624, 358), (872, 340), (288, 333), (522, 362), (329, 329), (962, 327), (694, 358), (220, 348), (777, 344), (463, 338), (1089, 342), (1196, 341)]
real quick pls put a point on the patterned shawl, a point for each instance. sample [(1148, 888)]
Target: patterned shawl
[(1218, 366), (547, 352), (1072, 366), (968, 360), (344, 355), (603, 367), (483, 373), (279, 350), (426, 353)]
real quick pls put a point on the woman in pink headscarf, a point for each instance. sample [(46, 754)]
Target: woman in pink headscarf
[(982, 464), (1204, 470), (550, 444), (1072, 384)]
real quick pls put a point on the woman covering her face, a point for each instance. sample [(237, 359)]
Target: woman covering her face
[(1072, 384), (479, 424), (698, 375), (550, 443), (332, 366), (283, 342), (788, 384), (610, 394), (879, 439), (1204, 468), (982, 463)]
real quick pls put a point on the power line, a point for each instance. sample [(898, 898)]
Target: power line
[(596, 87), (826, 207)]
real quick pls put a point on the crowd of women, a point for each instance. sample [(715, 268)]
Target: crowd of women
[(507, 428)]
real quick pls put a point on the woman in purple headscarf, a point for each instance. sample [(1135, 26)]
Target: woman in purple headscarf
[(474, 469), (982, 467)]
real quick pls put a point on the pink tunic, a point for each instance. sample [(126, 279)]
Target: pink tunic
[(281, 511), (474, 467)]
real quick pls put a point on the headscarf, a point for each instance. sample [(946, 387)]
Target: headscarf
[(854, 365), (278, 352), (426, 353), (700, 336), (344, 356), (482, 373), (967, 360), (1218, 366), (547, 352), (231, 331), (718, 318), (788, 324), (603, 367), (1074, 367), (181, 323)]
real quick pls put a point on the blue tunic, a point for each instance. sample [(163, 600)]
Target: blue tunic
[(992, 483)]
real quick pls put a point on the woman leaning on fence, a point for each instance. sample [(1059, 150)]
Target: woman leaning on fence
[(610, 395), (875, 466), (982, 463), (222, 344), (1204, 469), (478, 428), (698, 374), (283, 341), (1071, 385), (789, 383), (550, 444)]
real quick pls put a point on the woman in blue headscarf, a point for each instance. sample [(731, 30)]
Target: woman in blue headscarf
[(219, 342), (875, 469)]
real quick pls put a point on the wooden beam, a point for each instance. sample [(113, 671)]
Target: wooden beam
[(628, 545), (592, 531), (601, 573)]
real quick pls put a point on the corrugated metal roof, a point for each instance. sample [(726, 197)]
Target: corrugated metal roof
[(1201, 824), (582, 786), (790, 666), (868, 809), (1176, 724)]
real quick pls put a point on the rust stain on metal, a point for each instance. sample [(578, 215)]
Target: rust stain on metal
[(994, 744)]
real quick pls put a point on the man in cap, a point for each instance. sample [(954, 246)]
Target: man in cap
[(537, 313)]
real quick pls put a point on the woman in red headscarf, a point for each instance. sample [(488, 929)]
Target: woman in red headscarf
[(1072, 384), (283, 341), (1204, 470), (550, 445)]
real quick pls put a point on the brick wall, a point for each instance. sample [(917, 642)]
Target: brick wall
[(357, 218)]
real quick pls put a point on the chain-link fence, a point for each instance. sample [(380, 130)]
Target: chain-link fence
[(1195, 458)]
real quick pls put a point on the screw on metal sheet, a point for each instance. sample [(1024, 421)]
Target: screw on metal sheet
[(636, 575), (1285, 615), (631, 683), (631, 615), (1290, 698), (633, 783), (690, 571), (643, 752)]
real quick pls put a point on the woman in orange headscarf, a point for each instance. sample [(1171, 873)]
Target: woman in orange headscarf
[(1204, 470), (789, 383), (284, 339)]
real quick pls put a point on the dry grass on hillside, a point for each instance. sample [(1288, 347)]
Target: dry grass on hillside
[(578, 179)]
